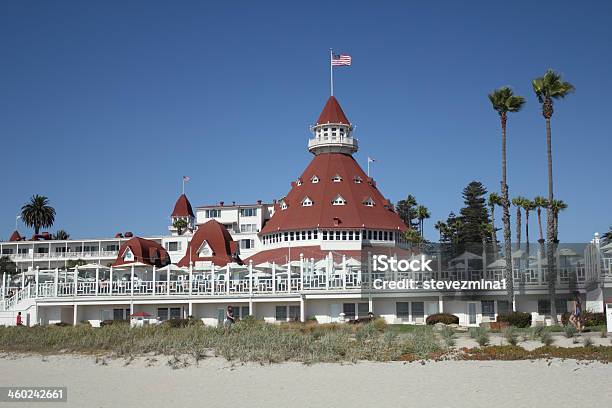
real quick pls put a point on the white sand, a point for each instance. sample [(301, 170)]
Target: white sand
[(217, 383)]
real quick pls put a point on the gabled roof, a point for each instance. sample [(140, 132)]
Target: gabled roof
[(15, 236), (219, 241), (182, 208), (145, 251), (332, 113), (323, 214)]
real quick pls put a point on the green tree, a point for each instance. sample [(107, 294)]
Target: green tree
[(494, 200), (504, 101), (413, 237), (406, 209), (442, 228), (38, 213), (540, 202), (548, 88), (557, 207), (180, 224), (7, 266), (528, 206), (474, 214), (422, 214), (61, 235), (518, 203)]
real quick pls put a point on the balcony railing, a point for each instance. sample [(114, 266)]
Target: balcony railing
[(63, 255)]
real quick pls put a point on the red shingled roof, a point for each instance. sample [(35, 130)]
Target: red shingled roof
[(145, 251), (15, 237), (322, 214), (332, 113), (182, 208), (220, 242)]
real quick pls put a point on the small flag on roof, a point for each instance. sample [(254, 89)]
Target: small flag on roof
[(341, 60)]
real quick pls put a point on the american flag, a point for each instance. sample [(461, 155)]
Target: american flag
[(185, 178), (341, 59)]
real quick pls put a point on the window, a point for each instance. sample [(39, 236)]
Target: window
[(128, 255), (402, 309), (294, 313), (368, 202), (248, 228), (281, 313), (121, 314), (363, 309), (248, 212), (244, 312), (561, 305), (175, 313), (7, 251), (112, 247), (337, 178), (307, 202), (283, 205), (247, 243), (339, 200), (502, 307), (488, 308), (314, 179), (213, 213), (418, 310), (299, 182), (173, 246), (358, 180), (544, 307), (349, 310)]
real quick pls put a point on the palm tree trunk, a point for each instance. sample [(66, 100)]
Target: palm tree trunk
[(541, 240), (519, 227), (527, 237), (550, 228), (494, 234), (506, 220)]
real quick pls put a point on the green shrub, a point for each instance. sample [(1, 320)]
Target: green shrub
[(448, 335), (594, 319), (516, 319), (546, 338), (483, 338), (587, 342), (113, 322), (569, 330), (511, 335), (380, 324), (445, 318)]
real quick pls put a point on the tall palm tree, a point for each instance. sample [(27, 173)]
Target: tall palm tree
[(504, 101), (38, 213), (518, 203), (61, 235), (557, 206), (422, 214), (548, 88), (540, 202), (493, 201), (528, 206)]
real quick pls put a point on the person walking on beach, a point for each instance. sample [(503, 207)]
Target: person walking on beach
[(19, 321), (229, 318), (576, 316)]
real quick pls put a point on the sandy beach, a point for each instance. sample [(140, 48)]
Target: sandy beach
[(151, 382)]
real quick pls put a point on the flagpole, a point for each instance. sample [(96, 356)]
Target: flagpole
[(183, 185), (331, 72), (368, 167)]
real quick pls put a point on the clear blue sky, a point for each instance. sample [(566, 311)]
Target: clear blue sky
[(104, 106)]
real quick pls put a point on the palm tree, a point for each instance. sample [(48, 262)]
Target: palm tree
[(548, 88), (494, 200), (504, 101), (38, 213), (557, 207), (413, 237), (442, 229), (61, 235), (528, 206), (540, 202), (422, 214), (608, 235), (518, 203)]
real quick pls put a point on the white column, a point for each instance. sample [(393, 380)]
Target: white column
[(3, 285), (154, 283), (251, 307), (36, 281), (344, 272), (212, 279), (328, 270), (440, 304), (190, 309), (55, 282), (97, 280), (22, 280), (302, 309), (250, 278), (132, 280), (273, 277), (110, 283), (168, 282), (74, 314), (76, 279), (227, 279), (190, 283), (301, 286)]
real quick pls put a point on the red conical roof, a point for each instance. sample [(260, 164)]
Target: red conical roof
[(15, 236), (332, 113), (222, 247), (365, 206), (182, 208)]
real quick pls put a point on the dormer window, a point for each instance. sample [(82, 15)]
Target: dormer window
[(307, 202), (358, 180), (368, 202), (314, 179), (339, 200), (204, 250), (337, 178), (299, 182), (283, 205), (128, 255)]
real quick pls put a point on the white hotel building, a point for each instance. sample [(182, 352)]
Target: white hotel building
[(304, 256)]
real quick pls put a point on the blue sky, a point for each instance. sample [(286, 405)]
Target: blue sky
[(105, 106)]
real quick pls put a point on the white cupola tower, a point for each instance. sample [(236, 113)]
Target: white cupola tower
[(332, 132)]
